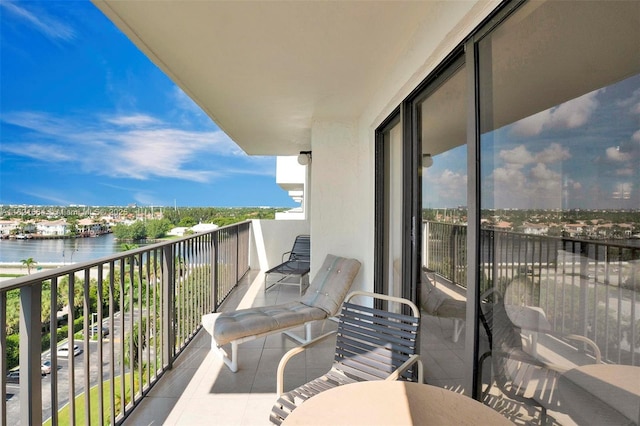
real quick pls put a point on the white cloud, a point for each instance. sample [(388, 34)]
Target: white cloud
[(47, 25), (522, 187), (628, 171), (632, 102), (512, 178), (135, 146), (553, 153), (569, 115), (615, 154), (137, 120), (636, 136), (532, 125), (451, 187), (542, 173), (37, 151), (517, 156), (49, 195)]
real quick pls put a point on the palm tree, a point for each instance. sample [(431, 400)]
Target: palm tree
[(28, 263)]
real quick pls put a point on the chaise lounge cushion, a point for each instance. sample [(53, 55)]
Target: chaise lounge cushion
[(254, 321), (331, 284), (322, 299), (436, 302)]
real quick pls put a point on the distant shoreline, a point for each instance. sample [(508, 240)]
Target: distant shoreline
[(16, 268)]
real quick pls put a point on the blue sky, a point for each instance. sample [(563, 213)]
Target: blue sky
[(581, 154), (86, 118)]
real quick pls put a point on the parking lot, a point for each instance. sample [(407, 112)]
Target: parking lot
[(13, 388)]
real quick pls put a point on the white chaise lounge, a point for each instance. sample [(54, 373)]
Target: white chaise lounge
[(322, 300)]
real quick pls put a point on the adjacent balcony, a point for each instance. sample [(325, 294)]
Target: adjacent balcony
[(146, 359)]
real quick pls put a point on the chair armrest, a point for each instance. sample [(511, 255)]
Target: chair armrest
[(584, 339), (413, 359), (283, 254), (290, 354)]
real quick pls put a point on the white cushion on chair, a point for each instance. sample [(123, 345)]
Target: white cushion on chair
[(331, 284)]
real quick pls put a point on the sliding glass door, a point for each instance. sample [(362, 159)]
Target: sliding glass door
[(559, 102)]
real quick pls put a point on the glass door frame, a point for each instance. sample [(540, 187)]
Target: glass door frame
[(407, 114)]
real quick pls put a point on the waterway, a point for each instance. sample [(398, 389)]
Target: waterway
[(59, 251), (74, 250)]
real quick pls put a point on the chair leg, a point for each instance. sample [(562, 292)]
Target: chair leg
[(230, 361), (299, 339), (458, 326)]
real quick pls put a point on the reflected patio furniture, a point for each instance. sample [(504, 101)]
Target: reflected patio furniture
[(437, 303), (371, 344), (519, 374), (322, 300), (297, 265)]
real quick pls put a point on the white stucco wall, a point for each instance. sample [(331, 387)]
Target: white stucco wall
[(342, 179), (342, 193), (271, 238)]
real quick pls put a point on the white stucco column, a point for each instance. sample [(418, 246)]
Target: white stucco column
[(342, 197)]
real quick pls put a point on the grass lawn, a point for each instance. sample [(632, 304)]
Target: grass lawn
[(63, 413)]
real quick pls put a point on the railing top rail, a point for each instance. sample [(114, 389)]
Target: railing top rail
[(607, 243)]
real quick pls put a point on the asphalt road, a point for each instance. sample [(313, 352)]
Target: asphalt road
[(13, 389)]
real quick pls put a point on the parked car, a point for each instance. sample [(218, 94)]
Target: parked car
[(13, 376), (63, 351), (105, 330), (45, 368)]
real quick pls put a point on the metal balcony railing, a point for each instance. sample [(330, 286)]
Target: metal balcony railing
[(585, 287), (127, 316)]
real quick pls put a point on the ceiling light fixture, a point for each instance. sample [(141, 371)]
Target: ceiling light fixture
[(427, 160), (304, 158)]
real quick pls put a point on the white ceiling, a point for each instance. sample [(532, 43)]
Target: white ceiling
[(264, 70)]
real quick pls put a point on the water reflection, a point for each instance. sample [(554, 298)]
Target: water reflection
[(63, 251)]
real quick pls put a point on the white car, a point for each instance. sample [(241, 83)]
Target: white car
[(63, 351)]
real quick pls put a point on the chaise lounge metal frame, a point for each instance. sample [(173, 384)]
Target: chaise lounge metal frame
[(297, 265)]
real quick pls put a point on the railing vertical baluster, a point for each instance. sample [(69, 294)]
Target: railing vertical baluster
[(168, 294), (53, 344), (214, 269), (607, 282), (3, 359), (633, 280), (100, 304), (150, 314), (70, 343), (142, 326), (619, 322), (30, 349), (158, 312), (112, 334), (123, 331), (584, 286), (86, 329), (130, 330)]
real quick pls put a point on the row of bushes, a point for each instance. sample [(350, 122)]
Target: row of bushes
[(13, 342)]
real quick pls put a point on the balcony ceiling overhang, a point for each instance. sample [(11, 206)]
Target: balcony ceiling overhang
[(263, 71)]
